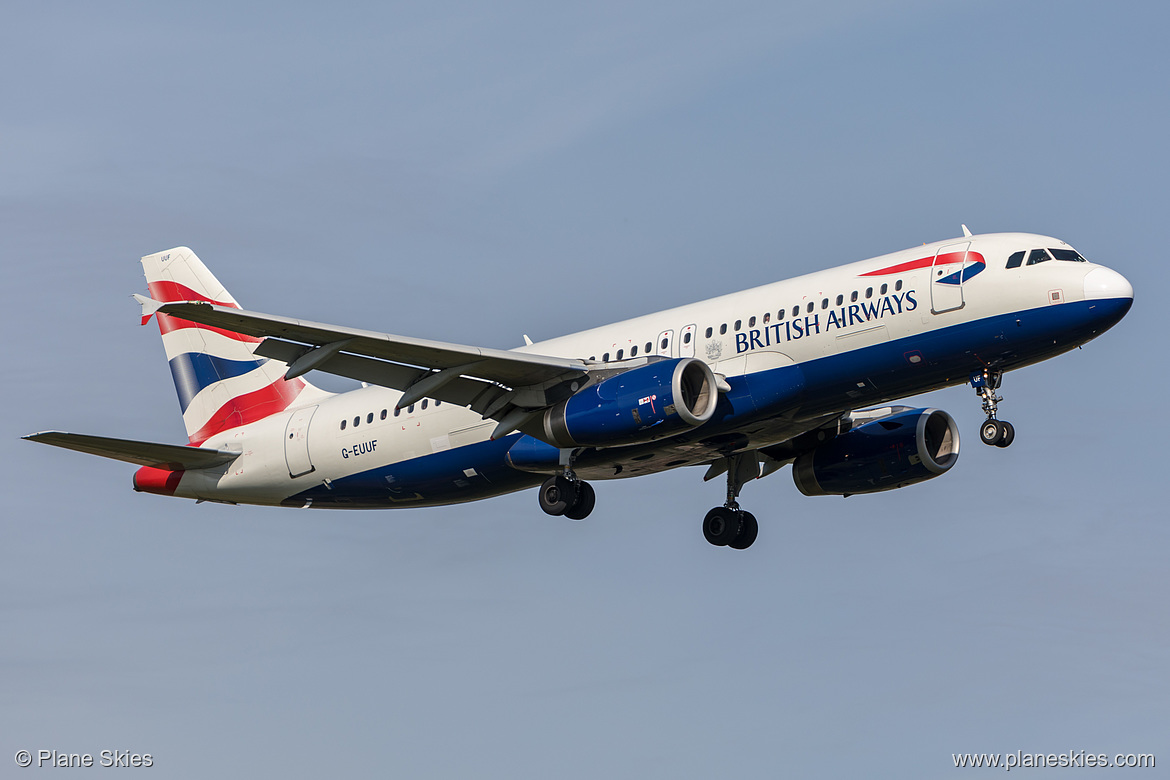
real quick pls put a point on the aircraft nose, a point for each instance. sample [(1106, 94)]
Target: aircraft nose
[(1105, 283)]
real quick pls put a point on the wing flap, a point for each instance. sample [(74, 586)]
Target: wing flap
[(172, 457), (460, 391)]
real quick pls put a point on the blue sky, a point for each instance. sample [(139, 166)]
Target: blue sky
[(473, 173)]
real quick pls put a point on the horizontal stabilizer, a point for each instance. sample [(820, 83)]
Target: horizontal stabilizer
[(172, 457)]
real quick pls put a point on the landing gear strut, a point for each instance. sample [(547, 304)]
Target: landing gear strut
[(566, 494), (999, 433), (728, 525)]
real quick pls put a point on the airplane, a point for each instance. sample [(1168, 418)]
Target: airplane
[(799, 372)]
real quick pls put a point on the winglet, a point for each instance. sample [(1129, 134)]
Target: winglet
[(966, 232), (149, 306)]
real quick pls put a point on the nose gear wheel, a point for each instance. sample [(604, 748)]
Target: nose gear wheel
[(993, 432)]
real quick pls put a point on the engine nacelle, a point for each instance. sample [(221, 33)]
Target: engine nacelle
[(889, 453), (640, 405)]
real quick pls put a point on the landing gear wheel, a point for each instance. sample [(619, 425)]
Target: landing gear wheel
[(583, 505), (721, 526), (557, 494), (1009, 434), (992, 432), (748, 531)]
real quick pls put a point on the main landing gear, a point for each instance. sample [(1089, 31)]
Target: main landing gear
[(567, 495), (728, 525), (998, 433)]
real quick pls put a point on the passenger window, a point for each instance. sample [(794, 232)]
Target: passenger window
[(722, 329), (752, 322), (605, 358), (897, 285), (840, 299), (343, 425), (410, 409), (853, 297), (868, 292), (738, 323), (1038, 256), (424, 403), (795, 311), (634, 350), (824, 303), (370, 417), (811, 306), (620, 353), (780, 314), (1015, 260), (687, 337), (709, 333), (767, 317), (665, 343), (356, 420), (884, 288), (397, 411), (649, 347), (438, 403), (383, 415)]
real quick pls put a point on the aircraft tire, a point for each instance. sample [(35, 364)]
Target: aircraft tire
[(1009, 435), (556, 495), (586, 499), (991, 432), (748, 531), (721, 526)]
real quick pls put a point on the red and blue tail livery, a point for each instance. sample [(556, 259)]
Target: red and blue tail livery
[(220, 382), (802, 372)]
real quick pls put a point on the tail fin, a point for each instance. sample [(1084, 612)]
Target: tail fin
[(220, 382)]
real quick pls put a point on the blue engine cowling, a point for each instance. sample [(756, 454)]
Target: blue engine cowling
[(889, 453), (635, 406)]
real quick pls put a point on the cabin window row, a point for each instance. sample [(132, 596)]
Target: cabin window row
[(751, 323), (809, 308), (386, 413)]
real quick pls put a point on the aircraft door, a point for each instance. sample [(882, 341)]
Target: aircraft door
[(946, 278), (296, 442), (687, 347), (665, 344)]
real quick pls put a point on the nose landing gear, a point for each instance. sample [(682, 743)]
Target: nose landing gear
[(728, 525), (995, 432)]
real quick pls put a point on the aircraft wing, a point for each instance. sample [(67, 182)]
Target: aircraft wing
[(496, 383), (173, 457)]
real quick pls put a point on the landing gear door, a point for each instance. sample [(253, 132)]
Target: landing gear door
[(296, 442), (665, 344), (946, 278), (687, 347)]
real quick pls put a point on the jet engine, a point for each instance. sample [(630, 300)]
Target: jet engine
[(892, 452), (635, 406)]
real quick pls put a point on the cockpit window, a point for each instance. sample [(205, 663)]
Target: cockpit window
[(1015, 260), (1038, 256), (1068, 254)]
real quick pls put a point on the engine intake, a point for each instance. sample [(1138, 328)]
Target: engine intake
[(636, 406), (893, 452)]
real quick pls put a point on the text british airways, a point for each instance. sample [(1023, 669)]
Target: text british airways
[(841, 317)]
